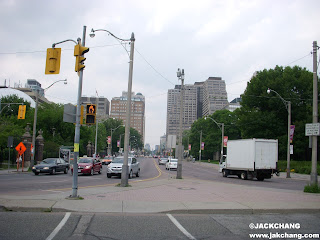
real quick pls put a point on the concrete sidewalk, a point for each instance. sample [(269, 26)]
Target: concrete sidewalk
[(169, 195)]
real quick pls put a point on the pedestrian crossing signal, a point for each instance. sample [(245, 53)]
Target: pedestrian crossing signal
[(91, 114)]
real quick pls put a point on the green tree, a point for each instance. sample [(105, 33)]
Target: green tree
[(264, 115)]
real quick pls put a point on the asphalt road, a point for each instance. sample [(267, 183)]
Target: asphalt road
[(28, 183), (20, 225)]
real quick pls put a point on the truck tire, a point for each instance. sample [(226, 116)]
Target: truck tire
[(244, 176), (130, 174), (225, 173), (138, 173), (260, 178)]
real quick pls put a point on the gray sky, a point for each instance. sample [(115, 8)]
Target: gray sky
[(228, 39)]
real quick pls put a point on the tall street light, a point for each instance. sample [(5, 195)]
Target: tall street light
[(180, 75), (125, 167), (222, 134), (35, 120), (288, 107)]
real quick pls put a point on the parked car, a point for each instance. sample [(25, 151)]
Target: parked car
[(89, 165), (115, 167), (172, 164), (51, 165), (107, 160), (162, 161)]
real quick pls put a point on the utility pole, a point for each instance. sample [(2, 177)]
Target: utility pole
[(125, 167), (180, 75), (200, 146), (77, 128), (34, 129), (314, 174)]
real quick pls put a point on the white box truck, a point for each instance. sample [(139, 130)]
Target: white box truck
[(250, 158)]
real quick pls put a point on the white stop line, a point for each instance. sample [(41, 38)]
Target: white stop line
[(180, 227), (58, 228)]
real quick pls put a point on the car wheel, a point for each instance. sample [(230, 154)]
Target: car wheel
[(53, 171), (138, 173), (66, 170), (100, 171), (225, 173), (108, 175), (130, 174), (244, 176), (91, 172), (36, 173)]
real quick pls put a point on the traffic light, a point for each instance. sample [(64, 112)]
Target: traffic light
[(22, 112), (53, 61), (91, 114), (79, 51)]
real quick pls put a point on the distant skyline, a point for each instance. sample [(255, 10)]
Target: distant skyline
[(230, 39)]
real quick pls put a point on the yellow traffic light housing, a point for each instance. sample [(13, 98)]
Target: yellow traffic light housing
[(53, 61), (79, 51), (91, 114), (22, 112)]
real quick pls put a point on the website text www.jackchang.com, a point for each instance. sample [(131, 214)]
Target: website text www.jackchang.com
[(285, 235)]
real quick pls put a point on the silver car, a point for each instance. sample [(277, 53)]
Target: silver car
[(162, 161), (115, 167)]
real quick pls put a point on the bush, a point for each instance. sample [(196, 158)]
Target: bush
[(314, 188)]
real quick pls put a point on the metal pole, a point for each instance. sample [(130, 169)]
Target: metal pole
[(314, 174), (288, 147), (125, 167), (200, 146), (77, 129), (96, 139), (180, 153), (222, 135), (111, 143), (34, 129)]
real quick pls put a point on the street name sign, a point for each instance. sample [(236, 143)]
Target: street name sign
[(313, 129)]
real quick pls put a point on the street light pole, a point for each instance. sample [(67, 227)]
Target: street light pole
[(288, 106), (314, 174), (34, 130), (125, 167), (180, 75), (222, 134)]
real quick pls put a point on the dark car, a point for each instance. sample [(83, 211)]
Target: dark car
[(89, 165), (51, 165)]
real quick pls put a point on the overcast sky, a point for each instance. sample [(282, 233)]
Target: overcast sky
[(207, 38)]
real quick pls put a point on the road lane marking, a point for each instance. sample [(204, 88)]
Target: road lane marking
[(180, 227), (58, 228)]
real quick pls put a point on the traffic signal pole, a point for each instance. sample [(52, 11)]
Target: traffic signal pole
[(77, 128)]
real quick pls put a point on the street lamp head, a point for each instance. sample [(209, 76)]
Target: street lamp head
[(178, 73), (268, 91), (92, 34)]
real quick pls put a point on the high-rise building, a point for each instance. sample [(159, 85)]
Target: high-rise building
[(119, 109), (200, 99), (173, 108), (102, 103), (214, 95)]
